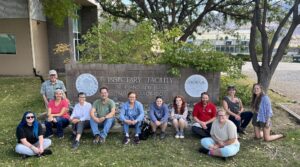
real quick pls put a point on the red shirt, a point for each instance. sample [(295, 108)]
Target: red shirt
[(204, 114), (55, 109)]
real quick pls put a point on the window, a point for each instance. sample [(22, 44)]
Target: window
[(7, 44), (77, 36)]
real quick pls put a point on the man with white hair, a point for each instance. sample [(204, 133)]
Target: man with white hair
[(48, 87)]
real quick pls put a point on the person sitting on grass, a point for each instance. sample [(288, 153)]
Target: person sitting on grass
[(30, 138), (80, 118), (132, 115), (262, 113), (102, 116), (179, 114), (234, 108), (223, 141), (58, 115), (204, 114), (159, 114)]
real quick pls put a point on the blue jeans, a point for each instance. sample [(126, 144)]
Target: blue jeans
[(227, 151), (245, 120), (137, 127), (22, 149), (106, 125), (60, 124)]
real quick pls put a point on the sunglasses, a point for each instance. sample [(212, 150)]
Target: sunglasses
[(30, 117)]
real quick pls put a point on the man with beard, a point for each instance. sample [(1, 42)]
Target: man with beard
[(102, 115), (204, 114)]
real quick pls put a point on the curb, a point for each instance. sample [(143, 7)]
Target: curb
[(289, 111)]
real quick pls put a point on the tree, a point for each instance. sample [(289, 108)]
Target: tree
[(274, 22), (188, 14)]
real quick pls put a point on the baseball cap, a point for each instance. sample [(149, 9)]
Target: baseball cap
[(52, 72)]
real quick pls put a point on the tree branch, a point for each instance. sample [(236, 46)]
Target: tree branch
[(252, 43)]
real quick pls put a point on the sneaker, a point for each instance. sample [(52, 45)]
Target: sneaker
[(102, 140), (181, 135), (47, 152), (177, 135), (136, 140), (203, 150), (126, 140), (25, 156), (154, 135), (96, 139), (241, 131), (48, 136), (75, 144), (162, 135)]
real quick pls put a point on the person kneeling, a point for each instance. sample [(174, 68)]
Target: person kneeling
[(159, 114), (30, 138), (223, 141)]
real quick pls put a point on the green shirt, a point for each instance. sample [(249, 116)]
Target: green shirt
[(103, 109)]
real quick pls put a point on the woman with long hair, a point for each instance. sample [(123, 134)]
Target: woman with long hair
[(262, 113), (30, 138), (179, 114), (234, 108)]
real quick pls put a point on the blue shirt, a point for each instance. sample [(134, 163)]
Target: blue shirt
[(48, 89), (82, 112), (159, 113), (265, 109), (135, 113)]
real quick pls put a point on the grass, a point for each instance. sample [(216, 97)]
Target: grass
[(21, 94)]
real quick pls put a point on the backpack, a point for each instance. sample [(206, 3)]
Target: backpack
[(145, 131)]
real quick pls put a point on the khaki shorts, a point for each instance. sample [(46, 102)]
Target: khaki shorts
[(258, 123)]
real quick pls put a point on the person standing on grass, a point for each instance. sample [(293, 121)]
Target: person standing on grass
[(204, 114), (30, 138), (179, 114), (262, 113), (159, 114), (132, 115), (234, 108), (48, 87), (58, 115), (223, 141), (80, 118), (102, 116)]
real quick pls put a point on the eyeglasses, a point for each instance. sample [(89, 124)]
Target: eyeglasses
[(29, 117)]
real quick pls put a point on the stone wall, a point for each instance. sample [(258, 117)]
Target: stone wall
[(147, 80)]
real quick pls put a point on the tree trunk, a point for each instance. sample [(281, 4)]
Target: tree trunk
[(264, 78)]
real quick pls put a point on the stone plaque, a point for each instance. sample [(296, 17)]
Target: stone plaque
[(87, 83), (148, 81), (195, 85)]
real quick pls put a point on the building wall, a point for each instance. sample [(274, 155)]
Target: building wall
[(40, 46), (89, 17), (21, 63), (57, 35)]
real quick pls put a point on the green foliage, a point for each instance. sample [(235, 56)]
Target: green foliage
[(59, 10), (142, 45), (106, 44), (243, 89)]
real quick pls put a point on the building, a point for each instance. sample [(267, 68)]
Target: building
[(27, 37)]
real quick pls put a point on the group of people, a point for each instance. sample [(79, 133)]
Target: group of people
[(217, 130)]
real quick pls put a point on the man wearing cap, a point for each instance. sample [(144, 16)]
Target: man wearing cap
[(48, 87)]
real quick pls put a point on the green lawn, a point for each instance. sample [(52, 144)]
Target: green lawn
[(21, 94)]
